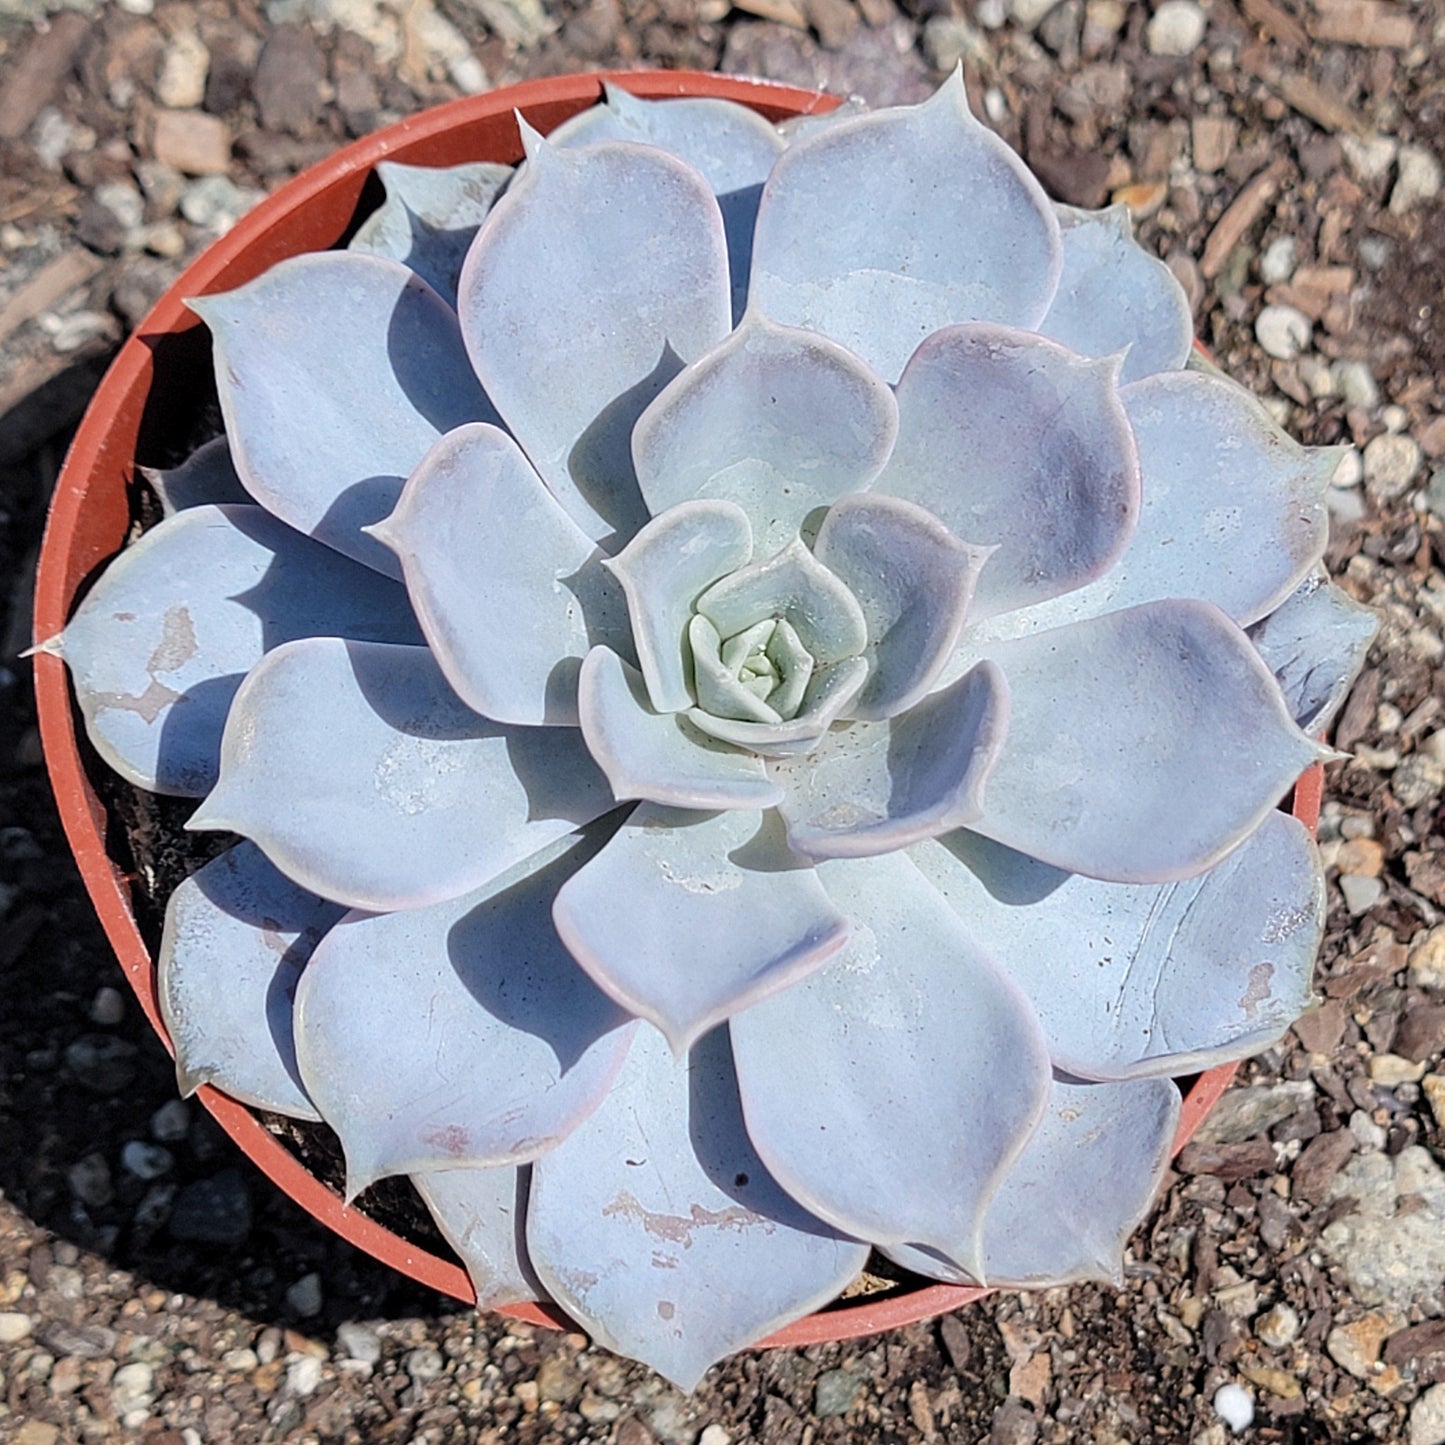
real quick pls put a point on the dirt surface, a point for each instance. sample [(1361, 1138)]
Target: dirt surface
[(1279, 154)]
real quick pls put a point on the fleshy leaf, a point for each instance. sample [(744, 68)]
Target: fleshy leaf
[(890, 1091), (871, 787), (663, 571), (336, 372), (1131, 979), (657, 1228), (1144, 745), (660, 756), (782, 422), (458, 1035), (1115, 296), (684, 918), (800, 127), (164, 638), (365, 778), (795, 585), (731, 147), (510, 608), (880, 230), (1315, 642), (206, 478), (610, 311), (1082, 1186), (1015, 443), (914, 581), (237, 936), (430, 217), (829, 691), (482, 1214)]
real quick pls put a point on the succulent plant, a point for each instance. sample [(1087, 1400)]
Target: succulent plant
[(755, 673)]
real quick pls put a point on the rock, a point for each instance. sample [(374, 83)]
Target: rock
[(1356, 383), (1427, 958), (1420, 1034), (1212, 140), (1369, 1135), (1369, 157), (213, 1211), (182, 81), (1176, 28), (1416, 181), (132, 1387), (558, 1379), (1363, 857), (217, 203), (1361, 894), (139, 286), (171, 1121), (1356, 1346), (836, 1392), (1321, 1160), (288, 81), (304, 1297), (1277, 264), (303, 1375), (14, 1327), (107, 1008), (1427, 1417), (1278, 1327), (1028, 13), (37, 1432), (1228, 1161), (89, 1180), (192, 142), (835, 21), (1433, 1087), (1283, 331), (1233, 1405), (85, 1342), (956, 1341), (1389, 1071), (523, 23), (1013, 1424), (714, 1435), (1245, 1113), (1419, 779), (1391, 462), (948, 39), (360, 1342), (424, 1364)]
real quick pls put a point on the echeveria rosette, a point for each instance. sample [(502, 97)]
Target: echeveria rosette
[(825, 592)]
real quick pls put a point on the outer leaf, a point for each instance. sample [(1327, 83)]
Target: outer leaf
[(430, 217), (162, 641), (881, 230), (482, 1213), (206, 478), (363, 776), (1315, 642), (1082, 1186), (872, 787), (914, 581), (326, 446), (627, 299), (1114, 296), (459, 1034), (1137, 979), (1145, 745), (663, 571), (510, 608), (237, 936), (782, 422), (1015, 443), (657, 1227), (660, 756), (731, 147), (684, 918), (890, 1092)]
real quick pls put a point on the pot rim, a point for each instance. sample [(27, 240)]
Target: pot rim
[(102, 457)]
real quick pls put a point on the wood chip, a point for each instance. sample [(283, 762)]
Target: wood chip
[(1362, 22), (1278, 24), (1228, 1161), (1315, 103), (1246, 208), (50, 284), (32, 82)]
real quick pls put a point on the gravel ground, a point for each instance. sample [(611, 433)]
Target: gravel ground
[(1284, 156)]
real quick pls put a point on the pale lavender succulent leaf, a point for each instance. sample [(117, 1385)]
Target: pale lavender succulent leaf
[(326, 446), (1144, 745), (1315, 642), (731, 147), (1115, 296), (162, 641), (914, 581), (511, 593), (809, 123), (237, 936), (1082, 1186), (871, 787), (364, 777), (661, 757), (610, 311), (430, 217), (829, 691), (686, 917), (206, 478), (780, 421), (882, 229), (792, 584), (656, 1226), (1130, 980), (482, 1214), (856, 1081), (663, 570), (1013, 442), (459, 1034)]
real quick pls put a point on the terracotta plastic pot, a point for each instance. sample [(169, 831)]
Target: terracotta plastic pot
[(151, 395)]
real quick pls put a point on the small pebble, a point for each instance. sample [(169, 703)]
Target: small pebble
[(1277, 263), (304, 1297), (1233, 1405), (1427, 1417), (1427, 959), (241, 1361), (132, 1386), (714, 1435), (1366, 1133), (171, 1121), (1283, 331), (1278, 1327), (1370, 157), (1390, 1071), (836, 1393), (1417, 180), (1351, 470), (101, 1062), (1417, 780), (424, 1364), (1361, 894), (1391, 462), (216, 202), (14, 1327), (360, 1342), (182, 81), (90, 1180), (303, 1374), (107, 1008), (1356, 383), (1176, 28), (1028, 13), (146, 1161)]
